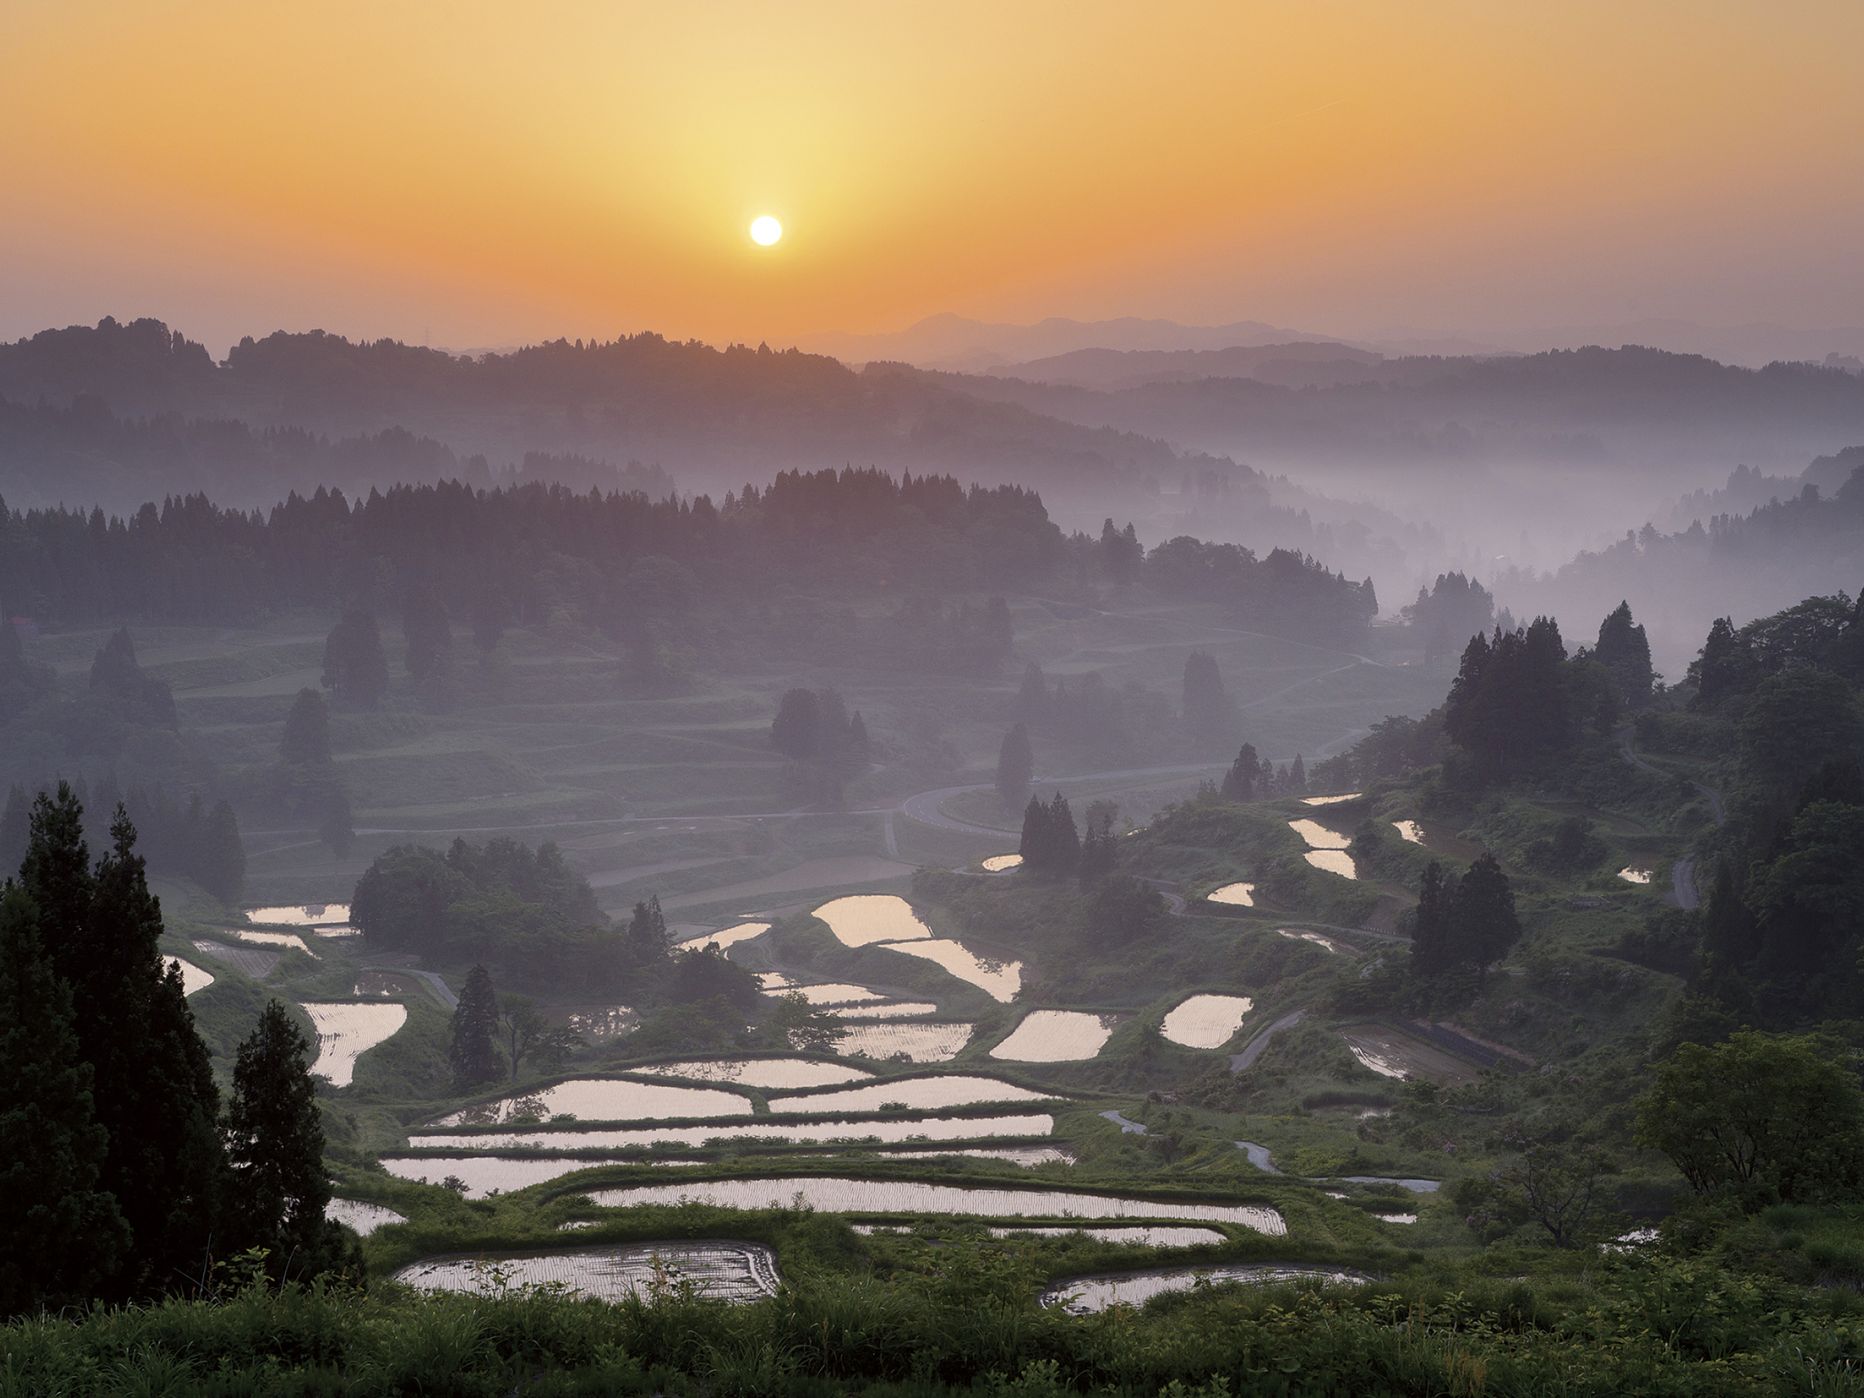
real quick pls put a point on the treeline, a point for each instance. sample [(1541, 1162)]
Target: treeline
[(186, 838), (1283, 591), (124, 1177)]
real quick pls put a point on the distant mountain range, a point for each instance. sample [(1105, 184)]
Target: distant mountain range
[(954, 342)]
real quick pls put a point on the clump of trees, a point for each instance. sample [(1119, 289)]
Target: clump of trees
[(189, 839), (521, 910), (827, 746), (1051, 843), (124, 1178), (355, 666), (1450, 611), (1464, 924), (1016, 767)]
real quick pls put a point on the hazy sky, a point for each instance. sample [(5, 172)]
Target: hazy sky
[(481, 174)]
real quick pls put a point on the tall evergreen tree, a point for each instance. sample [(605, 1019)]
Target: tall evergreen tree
[(355, 669), (1431, 950), (1209, 712), (277, 1189), (647, 938), (795, 732), (15, 824), (220, 860), (471, 1050), (1483, 916), (1624, 651), (152, 1083), (64, 1235), (1016, 767), (306, 740), (1244, 780)]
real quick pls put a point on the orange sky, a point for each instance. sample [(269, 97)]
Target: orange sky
[(481, 174)]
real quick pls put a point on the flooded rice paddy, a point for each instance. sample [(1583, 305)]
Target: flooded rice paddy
[(363, 1218), (1002, 863), (1301, 934), (833, 1194), (726, 936), (248, 961), (886, 1009), (1000, 980), (1634, 875), (1136, 1235), (1333, 861), (604, 1099), (1091, 1295), (916, 1094), (1409, 830), (1331, 800), (301, 915), (1239, 895), (1056, 1036), (1128, 1127), (759, 1072), (1206, 1021), (835, 993), (1392, 1054), (193, 977), (347, 1029), (1027, 1156), (485, 1175), (718, 1271), (1326, 849), (284, 941), (915, 1042), (898, 1131), (865, 918)]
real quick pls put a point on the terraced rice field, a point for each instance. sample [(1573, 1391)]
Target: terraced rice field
[(1027, 1156), (301, 915), (1000, 980), (759, 1072), (1136, 1235), (1333, 861), (886, 1009), (1002, 863), (193, 977), (719, 1271), (928, 1094), (1326, 849), (347, 1029), (726, 937), (841, 1195), (1237, 895), (1634, 875), (892, 1131), (485, 1175), (1301, 934), (1056, 1036), (1092, 1294), (284, 941), (1205, 1021), (1330, 800), (362, 1217), (916, 1042), (862, 919), (1409, 830), (246, 960), (605, 1099)]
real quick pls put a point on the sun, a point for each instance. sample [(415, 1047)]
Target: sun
[(765, 230)]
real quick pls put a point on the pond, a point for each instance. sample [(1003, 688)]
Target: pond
[(715, 1270), (758, 1072), (917, 1094), (1002, 863), (726, 937), (1000, 980), (896, 1131), (604, 1099), (363, 1218), (347, 1029), (1056, 1036), (193, 977), (1239, 895), (1409, 830), (301, 915), (864, 918), (833, 1194), (1206, 1021), (920, 1041), (1093, 1294)]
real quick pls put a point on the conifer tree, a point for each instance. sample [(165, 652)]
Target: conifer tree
[(355, 669), (64, 1235), (306, 740), (1297, 776), (471, 1050), (1016, 767), (14, 825), (1483, 915), (220, 861), (1430, 928), (647, 933), (1624, 651), (277, 1189), (1245, 775)]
